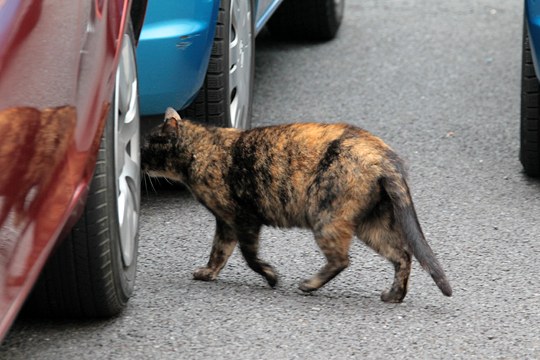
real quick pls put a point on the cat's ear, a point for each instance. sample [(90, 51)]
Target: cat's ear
[(171, 122), (172, 114)]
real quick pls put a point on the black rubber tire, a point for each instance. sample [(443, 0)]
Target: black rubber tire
[(312, 20), (529, 153), (86, 276), (212, 104)]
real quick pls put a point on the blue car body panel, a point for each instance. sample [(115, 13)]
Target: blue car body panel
[(532, 16), (174, 50)]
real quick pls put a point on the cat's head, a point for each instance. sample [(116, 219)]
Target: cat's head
[(162, 152)]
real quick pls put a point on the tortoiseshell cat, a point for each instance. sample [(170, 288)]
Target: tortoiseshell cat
[(337, 180)]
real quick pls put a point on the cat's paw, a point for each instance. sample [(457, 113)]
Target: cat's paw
[(392, 296), (270, 275), (307, 286), (204, 274), (271, 279)]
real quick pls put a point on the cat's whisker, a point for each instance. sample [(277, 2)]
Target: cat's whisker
[(145, 183), (152, 184), (148, 180), (168, 181)]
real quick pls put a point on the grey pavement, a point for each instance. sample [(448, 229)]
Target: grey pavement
[(440, 82)]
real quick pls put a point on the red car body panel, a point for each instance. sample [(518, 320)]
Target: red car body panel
[(58, 63)]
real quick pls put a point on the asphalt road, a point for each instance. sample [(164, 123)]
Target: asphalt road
[(439, 81)]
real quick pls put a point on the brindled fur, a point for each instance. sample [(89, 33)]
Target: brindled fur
[(335, 179)]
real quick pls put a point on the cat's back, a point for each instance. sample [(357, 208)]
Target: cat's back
[(309, 142)]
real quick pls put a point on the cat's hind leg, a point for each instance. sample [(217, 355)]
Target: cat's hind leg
[(378, 230), (248, 239), (222, 248), (334, 240)]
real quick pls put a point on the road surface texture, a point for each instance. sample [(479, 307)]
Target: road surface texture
[(440, 82)]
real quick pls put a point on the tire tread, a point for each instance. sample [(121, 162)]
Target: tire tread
[(209, 106), (530, 112)]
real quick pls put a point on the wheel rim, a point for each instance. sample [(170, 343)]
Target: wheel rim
[(240, 56), (126, 145)]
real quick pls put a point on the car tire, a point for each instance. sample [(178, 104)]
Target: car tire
[(92, 272), (529, 153), (312, 20), (225, 98)]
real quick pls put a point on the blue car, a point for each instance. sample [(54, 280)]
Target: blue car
[(197, 56), (529, 153)]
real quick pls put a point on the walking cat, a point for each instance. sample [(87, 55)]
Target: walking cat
[(335, 179)]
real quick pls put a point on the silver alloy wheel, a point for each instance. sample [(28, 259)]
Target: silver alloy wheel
[(240, 61), (126, 145)]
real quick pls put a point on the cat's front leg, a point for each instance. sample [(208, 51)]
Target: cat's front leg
[(222, 248), (248, 238)]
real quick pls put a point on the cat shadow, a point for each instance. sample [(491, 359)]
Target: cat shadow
[(346, 300)]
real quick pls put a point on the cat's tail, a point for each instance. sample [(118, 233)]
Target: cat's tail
[(398, 190)]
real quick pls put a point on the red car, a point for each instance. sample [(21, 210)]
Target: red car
[(69, 156)]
